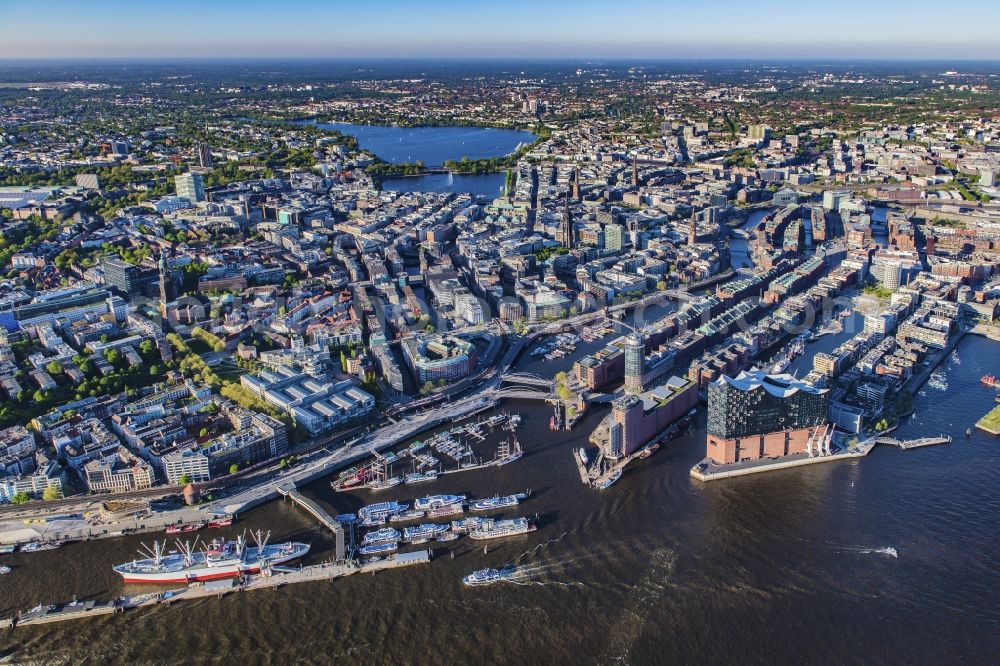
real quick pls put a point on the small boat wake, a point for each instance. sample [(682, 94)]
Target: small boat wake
[(938, 381), (885, 550), (545, 573)]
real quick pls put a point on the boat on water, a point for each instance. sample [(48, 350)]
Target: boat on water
[(583, 457), (37, 546), (447, 510), (507, 454), (497, 529), (425, 532), (437, 501), (346, 518), (216, 559), (611, 480), (379, 548), (649, 450), (183, 529), (8, 548), (468, 524), (990, 381), (380, 511), (4, 569), (381, 536), (447, 536), (412, 514), (224, 521), (496, 502), (489, 576), (421, 477), (382, 484)]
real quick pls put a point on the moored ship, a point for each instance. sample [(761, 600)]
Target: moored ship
[(497, 502), (377, 513), (437, 501), (421, 477), (609, 481), (381, 536), (990, 381), (217, 559), (496, 529), (424, 533)]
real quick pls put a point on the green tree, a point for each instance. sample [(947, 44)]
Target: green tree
[(184, 479), (51, 493), (20, 498), (53, 368), (234, 468)]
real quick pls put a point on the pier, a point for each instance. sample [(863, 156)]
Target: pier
[(912, 443), (319, 514), (278, 577)]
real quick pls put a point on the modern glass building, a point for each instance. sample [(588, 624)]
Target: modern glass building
[(756, 415), (634, 364), (190, 186)]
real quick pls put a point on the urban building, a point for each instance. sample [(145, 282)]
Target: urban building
[(637, 418), (755, 415), (190, 186), (433, 358)]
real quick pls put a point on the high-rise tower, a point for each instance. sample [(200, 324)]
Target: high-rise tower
[(567, 227), (634, 363), (635, 173)]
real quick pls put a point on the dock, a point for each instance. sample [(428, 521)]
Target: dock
[(73, 610), (912, 443), (279, 577), (317, 512)]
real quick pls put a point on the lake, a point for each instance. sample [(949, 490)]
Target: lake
[(433, 146)]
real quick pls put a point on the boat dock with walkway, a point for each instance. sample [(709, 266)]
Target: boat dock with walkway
[(317, 512), (278, 577)]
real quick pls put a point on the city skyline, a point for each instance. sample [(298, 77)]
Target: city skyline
[(447, 29)]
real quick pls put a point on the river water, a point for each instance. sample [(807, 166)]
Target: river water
[(783, 567)]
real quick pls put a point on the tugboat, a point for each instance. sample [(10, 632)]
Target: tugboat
[(583, 457)]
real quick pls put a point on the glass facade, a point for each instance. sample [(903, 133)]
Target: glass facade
[(757, 404)]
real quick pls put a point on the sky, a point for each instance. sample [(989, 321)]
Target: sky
[(843, 29)]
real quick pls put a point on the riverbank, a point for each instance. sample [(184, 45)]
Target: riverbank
[(991, 422)]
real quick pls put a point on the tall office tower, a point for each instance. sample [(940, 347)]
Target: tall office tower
[(755, 415), (121, 275), (635, 173), (567, 227), (205, 155), (190, 186), (614, 236), (635, 359)]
